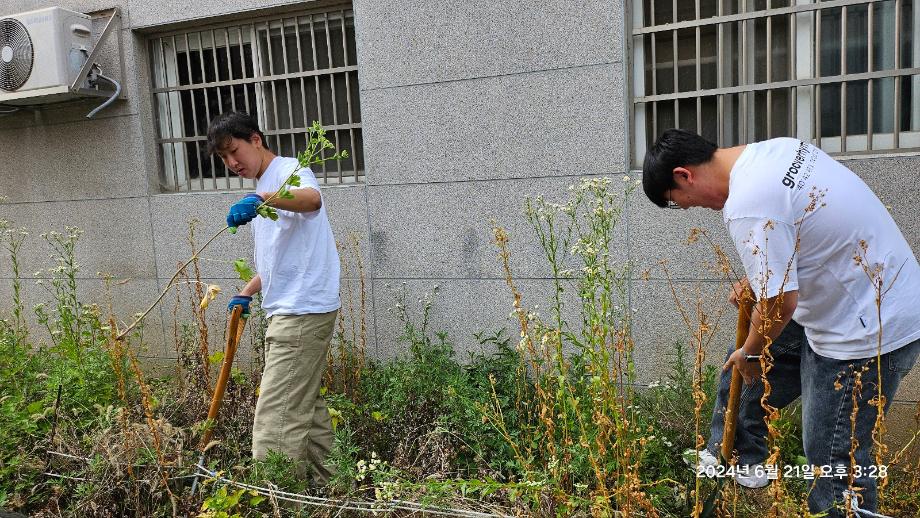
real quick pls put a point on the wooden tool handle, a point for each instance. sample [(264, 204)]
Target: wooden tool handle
[(234, 332), (745, 307)]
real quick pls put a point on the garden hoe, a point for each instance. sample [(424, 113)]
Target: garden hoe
[(234, 330), (745, 307)]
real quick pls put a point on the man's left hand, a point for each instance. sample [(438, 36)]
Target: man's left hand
[(241, 301), (749, 370)]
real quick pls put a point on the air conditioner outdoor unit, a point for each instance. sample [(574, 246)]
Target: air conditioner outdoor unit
[(41, 54)]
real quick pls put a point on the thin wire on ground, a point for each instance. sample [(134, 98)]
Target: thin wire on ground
[(347, 505), (368, 506)]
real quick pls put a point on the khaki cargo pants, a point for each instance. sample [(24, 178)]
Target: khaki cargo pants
[(291, 416)]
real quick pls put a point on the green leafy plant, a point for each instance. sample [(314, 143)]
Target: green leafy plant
[(343, 459), (424, 399), (243, 269), (277, 469), (227, 503)]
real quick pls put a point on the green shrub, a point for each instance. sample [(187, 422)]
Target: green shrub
[(429, 402), (76, 363)]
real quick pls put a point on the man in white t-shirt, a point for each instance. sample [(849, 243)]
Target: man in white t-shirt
[(818, 247), (298, 275)]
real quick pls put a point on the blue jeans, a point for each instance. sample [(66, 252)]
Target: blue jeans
[(826, 430)]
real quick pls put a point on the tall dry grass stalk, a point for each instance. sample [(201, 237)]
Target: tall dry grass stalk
[(581, 430), (701, 321), (882, 281), (768, 315), (199, 312), (347, 356), (162, 441)]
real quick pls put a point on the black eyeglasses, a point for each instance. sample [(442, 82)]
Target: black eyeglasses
[(671, 204)]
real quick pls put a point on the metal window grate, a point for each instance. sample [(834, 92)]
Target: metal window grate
[(286, 71), (844, 74)]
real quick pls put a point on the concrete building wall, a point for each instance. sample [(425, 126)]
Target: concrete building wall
[(467, 109)]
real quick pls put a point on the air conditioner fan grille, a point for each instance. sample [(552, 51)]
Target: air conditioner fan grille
[(16, 55)]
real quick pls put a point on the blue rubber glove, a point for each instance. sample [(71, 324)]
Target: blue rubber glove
[(242, 301), (243, 211)]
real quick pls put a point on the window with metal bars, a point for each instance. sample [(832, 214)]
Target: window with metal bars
[(843, 74), (286, 71)]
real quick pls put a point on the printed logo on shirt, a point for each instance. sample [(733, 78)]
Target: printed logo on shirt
[(801, 166)]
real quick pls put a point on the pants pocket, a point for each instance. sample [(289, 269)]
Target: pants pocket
[(903, 359), (325, 326), (283, 331)]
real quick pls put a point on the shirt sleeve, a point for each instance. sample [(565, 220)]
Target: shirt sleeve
[(307, 179), (767, 249)]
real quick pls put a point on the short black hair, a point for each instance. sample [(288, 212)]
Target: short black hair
[(674, 148), (232, 125)]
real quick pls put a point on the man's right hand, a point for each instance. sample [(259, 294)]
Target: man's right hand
[(737, 289), (750, 370), (242, 301)]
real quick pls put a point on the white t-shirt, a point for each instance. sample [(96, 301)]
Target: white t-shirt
[(295, 255), (771, 187)]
